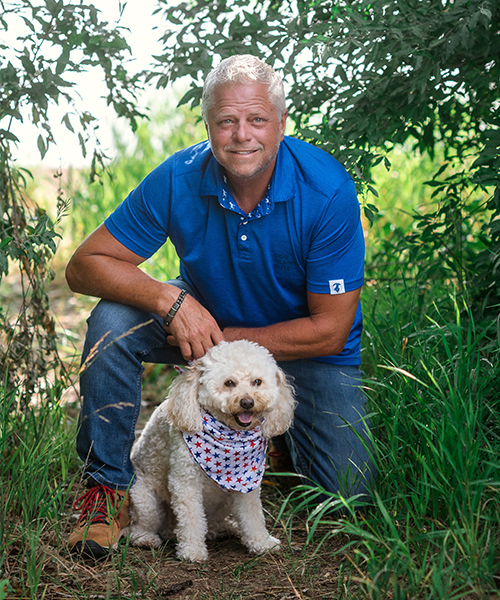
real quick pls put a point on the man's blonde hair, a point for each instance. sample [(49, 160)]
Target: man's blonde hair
[(243, 68)]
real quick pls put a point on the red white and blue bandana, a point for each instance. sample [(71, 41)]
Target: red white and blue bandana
[(235, 460)]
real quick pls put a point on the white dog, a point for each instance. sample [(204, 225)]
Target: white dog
[(201, 455)]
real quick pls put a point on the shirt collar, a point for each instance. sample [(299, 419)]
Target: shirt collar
[(262, 209)]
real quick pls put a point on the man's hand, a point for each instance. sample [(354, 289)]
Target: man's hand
[(193, 329)]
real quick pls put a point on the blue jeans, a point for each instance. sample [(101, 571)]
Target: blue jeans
[(328, 441)]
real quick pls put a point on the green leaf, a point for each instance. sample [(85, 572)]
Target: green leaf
[(82, 145), (28, 65), (5, 242), (67, 123), (311, 134), (369, 214), (487, 13), (193, 94), (8, 135), (42, 147), (63, 60)]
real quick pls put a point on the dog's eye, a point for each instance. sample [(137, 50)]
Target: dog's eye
[(257, 382), (229, 383)]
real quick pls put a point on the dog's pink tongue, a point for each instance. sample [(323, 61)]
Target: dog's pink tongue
[(245, 417)]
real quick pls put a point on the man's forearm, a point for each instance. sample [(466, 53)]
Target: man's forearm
[(292, 340), (103, 267), (323, 333), (113, 279)]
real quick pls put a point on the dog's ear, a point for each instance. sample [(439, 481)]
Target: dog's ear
[(181, 406), (280, 418)]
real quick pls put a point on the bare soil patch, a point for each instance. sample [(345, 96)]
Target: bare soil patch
[(296, 571)]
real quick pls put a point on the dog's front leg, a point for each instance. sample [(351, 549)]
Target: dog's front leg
[(247, 510), (148, 514), (186, 490)]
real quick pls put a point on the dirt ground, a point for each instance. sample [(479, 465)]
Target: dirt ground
[(230, 573)]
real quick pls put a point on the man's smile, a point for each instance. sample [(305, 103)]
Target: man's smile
[(242, 152)]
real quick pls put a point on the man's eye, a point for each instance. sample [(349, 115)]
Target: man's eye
[(229, 383)]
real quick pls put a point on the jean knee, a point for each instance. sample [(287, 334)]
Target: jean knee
[(116, 317), (122, 326)]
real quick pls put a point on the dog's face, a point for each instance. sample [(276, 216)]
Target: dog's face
[(239, 383)]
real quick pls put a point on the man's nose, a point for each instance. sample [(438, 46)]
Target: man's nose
[(242, 131)]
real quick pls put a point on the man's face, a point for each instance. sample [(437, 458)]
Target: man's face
[(244, 130)]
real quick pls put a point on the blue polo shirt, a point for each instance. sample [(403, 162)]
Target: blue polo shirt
[(253, 270)]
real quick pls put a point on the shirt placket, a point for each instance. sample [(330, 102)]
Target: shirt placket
[(244, 230), (244, 237)]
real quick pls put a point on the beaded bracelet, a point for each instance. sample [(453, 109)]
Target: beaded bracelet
[(175, 307)]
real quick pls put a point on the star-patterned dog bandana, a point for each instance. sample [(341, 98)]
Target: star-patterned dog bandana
[(235, 460)]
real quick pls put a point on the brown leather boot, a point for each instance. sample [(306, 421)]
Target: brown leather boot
[(102, 521)]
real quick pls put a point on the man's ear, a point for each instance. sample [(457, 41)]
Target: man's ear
[(207, 129), (283, 124)]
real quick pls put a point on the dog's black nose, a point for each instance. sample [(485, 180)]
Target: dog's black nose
[(246, 403)]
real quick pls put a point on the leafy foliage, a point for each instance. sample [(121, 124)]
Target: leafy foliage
[(432, 528), (60, 41), (367, 76)]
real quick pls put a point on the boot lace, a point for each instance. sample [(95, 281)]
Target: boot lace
[(94, 504)]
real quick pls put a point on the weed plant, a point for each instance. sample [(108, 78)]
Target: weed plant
[(37, 472)]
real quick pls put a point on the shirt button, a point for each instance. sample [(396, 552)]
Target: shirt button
[(244, 238)]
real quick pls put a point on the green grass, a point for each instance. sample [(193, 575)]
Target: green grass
[(433, 530), (37, 472)]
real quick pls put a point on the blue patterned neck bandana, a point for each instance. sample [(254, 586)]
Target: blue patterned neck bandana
[(235, 460)]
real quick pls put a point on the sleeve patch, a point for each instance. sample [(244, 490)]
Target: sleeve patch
[(337, 286)]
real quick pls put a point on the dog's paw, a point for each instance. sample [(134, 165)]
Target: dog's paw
[(192, 553), (268, 544), (145, 540)]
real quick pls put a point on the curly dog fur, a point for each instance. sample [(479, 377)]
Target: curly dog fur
[(240, 384)]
